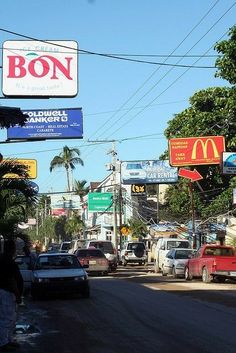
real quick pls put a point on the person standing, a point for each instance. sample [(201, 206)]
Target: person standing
[(11, 289)]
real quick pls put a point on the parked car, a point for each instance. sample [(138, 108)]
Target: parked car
[(56, 273), (95, 259), (134, 252), (175, 261), (26, 265), (212, 262), (163, 246), (108, 249)]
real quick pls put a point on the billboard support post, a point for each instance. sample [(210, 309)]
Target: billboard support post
[(158, 208), (193, 215)]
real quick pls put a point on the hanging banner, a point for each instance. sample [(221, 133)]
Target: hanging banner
[(63, 123)]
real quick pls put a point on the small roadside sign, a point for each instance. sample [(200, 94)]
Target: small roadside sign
[(32, 169)]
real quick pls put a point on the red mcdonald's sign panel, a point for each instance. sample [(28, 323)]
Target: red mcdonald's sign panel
[(196, 150)]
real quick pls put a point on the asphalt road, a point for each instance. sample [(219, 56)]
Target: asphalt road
[(134, 311)]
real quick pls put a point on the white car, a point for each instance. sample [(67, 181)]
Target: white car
[(133, 171), (175, 260), (56, 273)]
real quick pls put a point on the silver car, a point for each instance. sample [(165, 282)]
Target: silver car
[(59, 273), (175, 260)]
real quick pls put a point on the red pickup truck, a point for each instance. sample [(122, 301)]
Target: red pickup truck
[(212, 262)]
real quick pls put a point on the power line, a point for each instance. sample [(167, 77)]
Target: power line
[(106, 55), (150, 76), (170, 71)]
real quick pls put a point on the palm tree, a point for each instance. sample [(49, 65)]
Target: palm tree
[(67, 159), (80, 188), (16, 195)]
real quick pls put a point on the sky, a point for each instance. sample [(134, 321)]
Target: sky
[(123, 101)]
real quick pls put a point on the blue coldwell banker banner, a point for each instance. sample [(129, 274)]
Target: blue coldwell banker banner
[(60, 123)]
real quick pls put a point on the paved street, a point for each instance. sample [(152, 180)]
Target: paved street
[(134, 310)]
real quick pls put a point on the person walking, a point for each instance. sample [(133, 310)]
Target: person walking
[(11, 289)]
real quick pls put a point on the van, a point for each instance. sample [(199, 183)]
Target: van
[(163, 246)]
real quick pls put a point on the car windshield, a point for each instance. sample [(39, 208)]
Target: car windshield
[(90, 252), (134, 166), (105, 247), (57, 262), (219, 251), (183, 254), (177, 244)]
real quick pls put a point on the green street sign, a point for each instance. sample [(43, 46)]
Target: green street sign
[(100, 202)]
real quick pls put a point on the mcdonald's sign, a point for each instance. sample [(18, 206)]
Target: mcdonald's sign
[(196, 150)]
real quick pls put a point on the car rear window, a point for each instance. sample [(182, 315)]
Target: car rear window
[(177, 244), (133, 246), (57, 262), (219, 251), (90, 252), (104, 246)]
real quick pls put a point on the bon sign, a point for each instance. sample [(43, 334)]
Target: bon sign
[(34, 68), (196, 150)]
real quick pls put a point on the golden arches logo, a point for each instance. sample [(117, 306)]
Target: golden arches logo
[(204, 146)]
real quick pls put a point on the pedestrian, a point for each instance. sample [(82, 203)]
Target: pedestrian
[(11, 289)]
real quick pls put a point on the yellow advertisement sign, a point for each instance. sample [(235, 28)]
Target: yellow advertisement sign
[(31, 165)]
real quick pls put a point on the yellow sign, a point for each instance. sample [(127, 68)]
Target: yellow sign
[(31, 165), (125, 230), (138, 188), (204, 146)]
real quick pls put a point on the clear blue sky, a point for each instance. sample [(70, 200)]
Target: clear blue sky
[(120, 99)]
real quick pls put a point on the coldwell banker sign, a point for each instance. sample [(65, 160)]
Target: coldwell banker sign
[(49, 124), (196, 150), (34, 68)]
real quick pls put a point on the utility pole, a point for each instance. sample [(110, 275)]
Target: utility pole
[(113, 153)]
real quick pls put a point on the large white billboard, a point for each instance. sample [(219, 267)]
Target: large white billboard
[(40, 68), (148, 172)]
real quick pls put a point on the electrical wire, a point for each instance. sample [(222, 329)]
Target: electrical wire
[(103, 55)]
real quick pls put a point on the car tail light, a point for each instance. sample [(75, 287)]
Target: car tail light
[(126, 253)]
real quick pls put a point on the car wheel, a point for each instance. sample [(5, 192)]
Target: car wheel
[(163, 272), (187, 275), (139, 251), (206, 278), (124, 262), (156, 267), (174, 272)]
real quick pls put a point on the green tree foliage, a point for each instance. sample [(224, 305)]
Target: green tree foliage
[(80, 188), (212, 111), (138, 228), (16, 196), (227, 63), (74, 226), (67, 159)]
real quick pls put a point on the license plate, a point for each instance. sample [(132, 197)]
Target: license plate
[(92, 262), (233, 274)]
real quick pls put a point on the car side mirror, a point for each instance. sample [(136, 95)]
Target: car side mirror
[(163, 247)]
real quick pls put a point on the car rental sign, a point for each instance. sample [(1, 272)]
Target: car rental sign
[(40, 68), (196, 150)]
